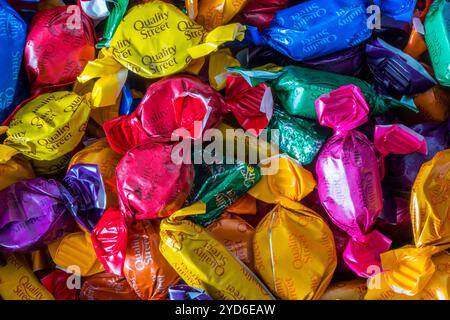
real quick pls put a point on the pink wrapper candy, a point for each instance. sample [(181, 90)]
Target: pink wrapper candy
[(349, 175)]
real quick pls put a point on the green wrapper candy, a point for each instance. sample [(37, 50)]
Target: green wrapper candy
[(114, 18), (296, 89), (437, 37), (223, 189), (299, 138)]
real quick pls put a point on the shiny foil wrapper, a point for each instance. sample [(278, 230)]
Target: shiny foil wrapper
[(149, 184), (185, 292), (56, 51), (56, 283), (145, 268), (260, 13), (107, 286)]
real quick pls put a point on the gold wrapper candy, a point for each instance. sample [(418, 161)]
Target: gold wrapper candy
[(157, 39), (17, 281), (346, 290), (214, 13), (203, 262), (236, 235), (13, 168), (293, 246), (76, 249), (417, 272), (101, 154)]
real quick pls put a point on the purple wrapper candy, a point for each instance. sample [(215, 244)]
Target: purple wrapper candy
[(401, 171), (185, 292), (36, 212), (395, 72)]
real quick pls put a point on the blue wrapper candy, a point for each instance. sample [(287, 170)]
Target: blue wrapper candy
[(185, 292), (13, 32), (400, 10), (85, 184), (315, 28)]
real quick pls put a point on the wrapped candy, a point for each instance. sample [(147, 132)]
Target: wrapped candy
[(416, 45), (17, 281), (56, 283), (400, 10), (315, 28), (145, 269), (349, 173), (109, 239), (184, 292), (395, 72), (214, 13), (155, 190), (59, 45), (203, 262), (38, 211), (107, 286), (437, 37), (184, 106), (100, 153), (433, 105), (420, 271), (222, 189), (296, 89), (114, 17), (260, 13), (156, 39), (13, 167), (293, 247), (12, 37), (299, 138)]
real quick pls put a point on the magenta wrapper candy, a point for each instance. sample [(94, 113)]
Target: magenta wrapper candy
[(150, 184), (349, 173)]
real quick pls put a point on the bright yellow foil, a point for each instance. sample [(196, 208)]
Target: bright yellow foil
[(101, 154), (218, 61), (76, 249), (214, 13), (203, 262), (293, 246), (17, 281), (13, 168)]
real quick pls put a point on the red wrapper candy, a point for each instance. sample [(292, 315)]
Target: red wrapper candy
[(109, 238), (260, 13), (56, 284), (150, 184), (60, 43), (172, 105)]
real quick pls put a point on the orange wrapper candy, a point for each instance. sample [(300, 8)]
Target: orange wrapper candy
[(107, 286), (145, 269)]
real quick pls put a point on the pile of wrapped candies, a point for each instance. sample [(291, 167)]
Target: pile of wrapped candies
[(352, 95)]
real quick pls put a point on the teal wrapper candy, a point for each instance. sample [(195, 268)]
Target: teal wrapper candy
[(296, 89), (299, 138), (223, 189), (437, 37)]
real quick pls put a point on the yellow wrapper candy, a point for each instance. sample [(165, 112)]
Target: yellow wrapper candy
[(203, 262), (76, 249), (17, 281), (218, 61), (157, 39), (346, 290), (293, 246), (101, 154), (214, 13), (13, 168), (412, 270)]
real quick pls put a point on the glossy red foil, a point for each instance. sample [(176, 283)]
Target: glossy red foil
[(57, 282), (150, 184), (60, 43), (260, 13)]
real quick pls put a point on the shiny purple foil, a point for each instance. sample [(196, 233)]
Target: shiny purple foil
[(185, 292), (395, 72)]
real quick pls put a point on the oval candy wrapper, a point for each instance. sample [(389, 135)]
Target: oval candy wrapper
[(12, 39), (437, 37), (349, 174), (395, 72), (38, 211), (145, 268), (304, 271), (56, 51), (188, 248), (107, 286), (18, 281), (149, 184), (315, 28), (109, 238)]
